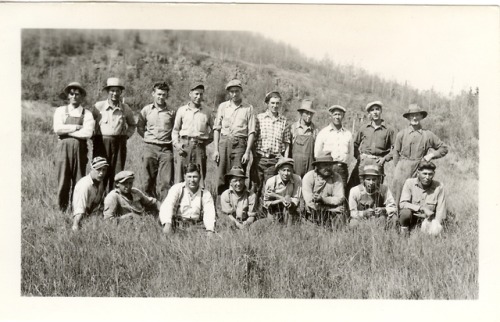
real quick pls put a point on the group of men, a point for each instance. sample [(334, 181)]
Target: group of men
[(297, 172)]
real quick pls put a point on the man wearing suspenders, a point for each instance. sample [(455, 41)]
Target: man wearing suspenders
[(304, 134), (74, 125)]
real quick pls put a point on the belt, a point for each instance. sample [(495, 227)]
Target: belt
[(410, 159), (370, 156), (66, 136), (244, 138), (159, 144), (267, 155), (193, 138)]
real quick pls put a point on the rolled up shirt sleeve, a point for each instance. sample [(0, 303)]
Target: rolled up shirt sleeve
[(111, 205), (441, 205), (307, 189), (354, 196), (209, 211), (390, 204), (167, 207), (225, 203)]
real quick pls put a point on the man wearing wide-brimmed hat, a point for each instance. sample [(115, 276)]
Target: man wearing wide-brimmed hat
[(337, 141), (371, 200), (282, 193), (412, 145), (74, 125), (238, 202), (304, 134), (373, 142), (89, 191), (273, 138), (125, 201), (115, 124), (234, 132), (323, 192), (192, 132), (154, 125)]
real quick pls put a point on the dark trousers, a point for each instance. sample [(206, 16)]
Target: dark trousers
[(341, 169), (231, 150), (262, 169), (195, 153), (114, 149), (158, 168), (70, 164), (407, 219)]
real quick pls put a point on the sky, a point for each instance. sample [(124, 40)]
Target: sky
[(439, 47)]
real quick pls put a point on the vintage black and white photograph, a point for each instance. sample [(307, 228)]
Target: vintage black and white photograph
[(252, 151)]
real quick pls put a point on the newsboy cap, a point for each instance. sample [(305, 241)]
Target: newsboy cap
[(234, 83), (123, 176), (414, 108), (375, 103), (282, 161), (336, 107), (196, 85), (113, 82), (371, 169), (99, 162)]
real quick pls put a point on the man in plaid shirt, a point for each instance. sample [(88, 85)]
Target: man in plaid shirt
[(273, 141)]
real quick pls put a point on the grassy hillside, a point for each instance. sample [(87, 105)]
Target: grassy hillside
[(134, 259)]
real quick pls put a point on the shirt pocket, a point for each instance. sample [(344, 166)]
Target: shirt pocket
[(301, 139), (119, 122)]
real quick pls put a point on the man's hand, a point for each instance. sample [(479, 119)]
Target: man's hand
[(317, 198), (381, 162), (426, 211), (246, 157), (216, 156), (182, 153), (380, 211), (286, 201), (79, 127), (167, 229), (368, 213), (428, 157)]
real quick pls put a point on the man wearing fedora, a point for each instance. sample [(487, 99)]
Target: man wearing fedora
[(423, 201), (337, 141), (371, 200), (323, 192), (304, 134), (373, 142), (125, 201), (115, 124), (192, 133), (238, 202), (412, 145), (73, 125), (154, 125), (273, 141), (234, 132)]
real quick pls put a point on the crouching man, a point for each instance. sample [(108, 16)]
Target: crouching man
[(89, 191), (422, 201), (238, 202), (371, 200), (282, 193), (126, 202), (323, 191), (188, 204)]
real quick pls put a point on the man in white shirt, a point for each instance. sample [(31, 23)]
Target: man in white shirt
[(336, 141), (188, 204), (73, 125)]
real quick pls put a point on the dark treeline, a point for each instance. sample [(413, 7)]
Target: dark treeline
[(52, 58)]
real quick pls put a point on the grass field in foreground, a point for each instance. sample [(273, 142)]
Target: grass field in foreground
[(135, 260)]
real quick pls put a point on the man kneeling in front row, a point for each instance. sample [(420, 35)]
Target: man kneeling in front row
[(187, 204), (422, 201)]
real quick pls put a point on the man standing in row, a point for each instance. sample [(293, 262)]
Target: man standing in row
[(304, 134), (192, 133), (234, 132), (114, 125), (73, 125), (155, 125)]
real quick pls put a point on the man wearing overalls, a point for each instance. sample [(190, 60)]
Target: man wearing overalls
[(74, 125), (304, 134)]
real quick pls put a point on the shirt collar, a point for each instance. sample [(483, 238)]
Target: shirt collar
[(302, 125), (191, 106), (278, 180), (419, 184), (410, 129), (382, 124), (332, 128), (108, 105), (153, 105), (268, 113), (231, 190)]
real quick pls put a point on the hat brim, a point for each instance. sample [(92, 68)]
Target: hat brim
[(371, 174), (424, 113), (336, 108), (306, 110), (369, 107), (65, 92), (239, 86), (278, 166), (322, 161), (105, 88)]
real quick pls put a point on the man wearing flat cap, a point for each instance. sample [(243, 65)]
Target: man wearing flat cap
[(125, 201), (373, 142), (234, 132), (371, 200), (192, 133), (423, 201), (413, 144), (73, 125), (273, 141), (282, 193), (114, 125), (323, 192), (337, 141), (154, 125), (238, 202), (89, 191), (304, 134)]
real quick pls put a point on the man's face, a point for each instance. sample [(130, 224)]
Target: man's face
[(126, 186), (371, 182), (415, 118), (196, 96), (324, 169), (192, 180), (375, 112), (114, 93), (160, 96), (99, 174), (274, 104), (234, 93), (337, 117), (425, 177), (306, 117), (74, 96), (285, 172), (238, 184)]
